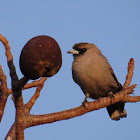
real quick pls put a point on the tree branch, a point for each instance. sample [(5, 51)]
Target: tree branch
[(32, 101), (22, 82), (35, 83), (4, 92), (11, 134), (9, 58), (130, 73), (16, 89), (32, 84), (122, 96), (19, 115)]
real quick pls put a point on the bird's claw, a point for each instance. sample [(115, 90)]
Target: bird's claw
[(84, 103), (111, 95)]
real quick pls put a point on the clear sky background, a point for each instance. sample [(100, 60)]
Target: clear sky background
[(113, 25)]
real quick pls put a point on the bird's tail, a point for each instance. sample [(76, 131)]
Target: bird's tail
[(117, 111)]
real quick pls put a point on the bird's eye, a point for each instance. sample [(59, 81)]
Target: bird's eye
[(84, 49), (81, 51)]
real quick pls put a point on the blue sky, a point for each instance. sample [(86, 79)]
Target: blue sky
[(114, 26)]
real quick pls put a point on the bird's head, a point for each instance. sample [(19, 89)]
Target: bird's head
[(78, 49), (84, 50)]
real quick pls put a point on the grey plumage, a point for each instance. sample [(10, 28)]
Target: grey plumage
[(93, 73)]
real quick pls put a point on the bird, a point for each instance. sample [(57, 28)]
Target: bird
[(93, 73)]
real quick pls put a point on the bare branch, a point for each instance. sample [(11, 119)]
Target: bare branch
[(32, 101), (7, 47), (32, 84), (3, 78), (4, 92), (35, 83), (9, 58), (22, 82), (16, 91), (11, 133), (19, 116), (130, 73), (34, 120)]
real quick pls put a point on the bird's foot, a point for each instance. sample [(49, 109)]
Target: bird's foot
[(84, 103), (110, 93), (85, 100)]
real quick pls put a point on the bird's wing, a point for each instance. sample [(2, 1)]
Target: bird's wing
[(114, 76)]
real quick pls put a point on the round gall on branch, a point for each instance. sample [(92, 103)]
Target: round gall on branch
[(40, 57)]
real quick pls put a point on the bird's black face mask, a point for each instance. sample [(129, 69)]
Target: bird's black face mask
[(81, 51)]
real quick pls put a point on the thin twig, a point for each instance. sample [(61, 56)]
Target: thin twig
[(32, 84), (32, 101)]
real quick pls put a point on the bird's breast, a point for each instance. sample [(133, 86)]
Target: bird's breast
[(92, 78)]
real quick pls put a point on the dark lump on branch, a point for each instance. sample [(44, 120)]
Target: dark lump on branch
[(40, 57)]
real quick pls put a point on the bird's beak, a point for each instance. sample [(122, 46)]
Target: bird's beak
[(73, 51)]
